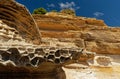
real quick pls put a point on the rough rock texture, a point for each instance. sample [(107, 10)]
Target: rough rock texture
[(104, 66), (19, 58), (24, 54), (59, 23), (104, 41), (89, 33), (18, 17), (63, 41), (7, 33)]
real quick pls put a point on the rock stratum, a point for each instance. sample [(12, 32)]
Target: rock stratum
[(18, 17), (20, 54), (89, 33), (55, 45), (21, 59)]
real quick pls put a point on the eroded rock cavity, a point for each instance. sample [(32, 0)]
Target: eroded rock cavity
[(19, 58), (18, 17)]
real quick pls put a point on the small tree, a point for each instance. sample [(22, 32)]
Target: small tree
[(40, 11), (68, 11)]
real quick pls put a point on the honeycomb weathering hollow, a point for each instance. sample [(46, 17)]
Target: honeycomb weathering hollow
[(18, 17), (19, 35), (38, 56)]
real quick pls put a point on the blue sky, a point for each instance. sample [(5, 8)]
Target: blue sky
[(108, 10)]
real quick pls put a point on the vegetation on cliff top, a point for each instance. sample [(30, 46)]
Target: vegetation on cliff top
[(42, 10), (68, 11)]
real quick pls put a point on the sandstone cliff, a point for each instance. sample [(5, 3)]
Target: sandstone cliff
[(89, 33), (63, 37)]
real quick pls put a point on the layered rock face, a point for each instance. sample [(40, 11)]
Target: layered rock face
[(19, 54), (89, 33), (18, 17), (63, 40), (60, 23), (102, 41)]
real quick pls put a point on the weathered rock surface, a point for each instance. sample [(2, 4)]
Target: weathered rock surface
[(19, 58), (104, 41), (7, 33), (28, 55), (63, 41), (18, 17), (25, 60), (59, 23), (92, 34)]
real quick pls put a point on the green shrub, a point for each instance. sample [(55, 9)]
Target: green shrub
[(40, 11)]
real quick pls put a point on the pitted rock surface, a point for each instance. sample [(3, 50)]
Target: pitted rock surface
[(35, 56), (7, 33), (18, 50), (17, 16)]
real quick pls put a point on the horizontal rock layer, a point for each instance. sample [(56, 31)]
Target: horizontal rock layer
[(104, 41), (56, 23), (92, 34)]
